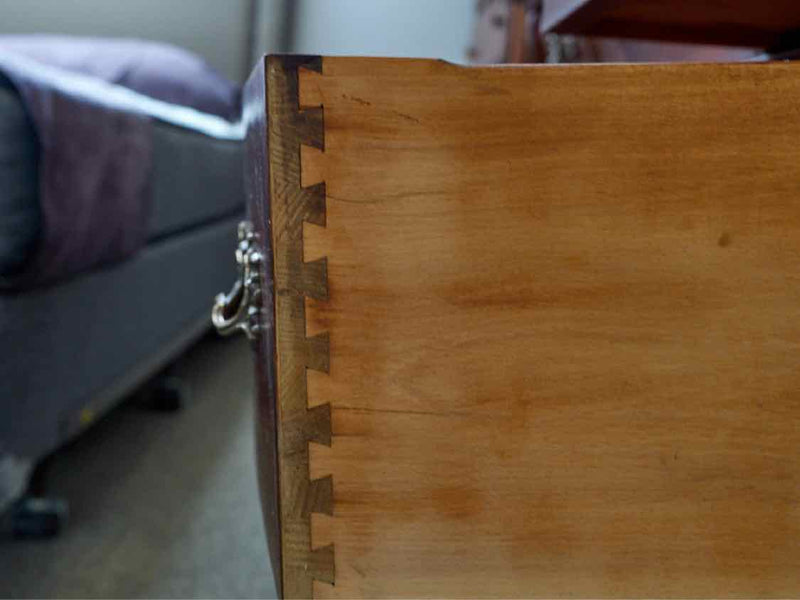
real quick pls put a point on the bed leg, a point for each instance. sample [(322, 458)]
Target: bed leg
[(35, 515)]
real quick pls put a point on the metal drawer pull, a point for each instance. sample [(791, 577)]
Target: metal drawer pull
[(240, 309)]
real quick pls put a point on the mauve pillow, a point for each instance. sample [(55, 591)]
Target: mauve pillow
[(157, 70)]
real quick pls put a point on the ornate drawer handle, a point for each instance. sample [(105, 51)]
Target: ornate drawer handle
[(240, 308)]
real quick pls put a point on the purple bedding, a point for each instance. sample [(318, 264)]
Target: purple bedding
[(153, 69), (96, 142)]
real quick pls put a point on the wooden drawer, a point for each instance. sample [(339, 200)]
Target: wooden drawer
[(528, 331)]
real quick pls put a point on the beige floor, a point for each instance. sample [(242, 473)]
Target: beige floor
[(162, 505)]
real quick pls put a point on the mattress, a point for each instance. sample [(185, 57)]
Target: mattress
[(68, 351), (196, 180)]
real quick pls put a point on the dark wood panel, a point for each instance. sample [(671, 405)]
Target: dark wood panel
[(726, 22), (256, 176)]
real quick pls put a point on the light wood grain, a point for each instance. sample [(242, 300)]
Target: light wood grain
[(563, 312)]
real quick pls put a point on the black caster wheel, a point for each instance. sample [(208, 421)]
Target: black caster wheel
[(38, 518), (168, 394)]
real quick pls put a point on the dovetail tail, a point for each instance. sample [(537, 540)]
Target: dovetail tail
[(322, 564), (310, 126), (318, 354), (318, 424), (310, 62), (319, 498), (314, 204), (314, 279)]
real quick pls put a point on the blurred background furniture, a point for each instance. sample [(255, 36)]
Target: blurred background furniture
[(74, 346), (633, 31), (769, 25), (72, 349)]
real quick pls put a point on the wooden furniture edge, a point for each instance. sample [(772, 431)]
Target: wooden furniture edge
[(256, 175), (289, 128)]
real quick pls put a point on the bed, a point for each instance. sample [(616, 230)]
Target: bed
[(75, 341)]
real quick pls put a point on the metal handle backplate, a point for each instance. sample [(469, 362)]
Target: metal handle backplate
[(240, 309)]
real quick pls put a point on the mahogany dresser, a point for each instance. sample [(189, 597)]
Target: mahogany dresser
[(525, 331)]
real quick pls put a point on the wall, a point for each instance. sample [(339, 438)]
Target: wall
[(216, 29), (419, 28), (219, 30), (272, 31)]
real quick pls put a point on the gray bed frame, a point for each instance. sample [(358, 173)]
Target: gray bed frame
[(70, 351)]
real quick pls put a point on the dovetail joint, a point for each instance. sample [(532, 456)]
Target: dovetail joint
[(292, 205), (319, 496)]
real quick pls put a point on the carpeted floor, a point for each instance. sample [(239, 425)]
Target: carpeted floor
[(162, 505)]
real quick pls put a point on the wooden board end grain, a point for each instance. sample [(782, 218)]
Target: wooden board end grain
[(292, 127)]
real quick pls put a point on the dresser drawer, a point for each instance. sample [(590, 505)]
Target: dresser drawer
[(528, 331)]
